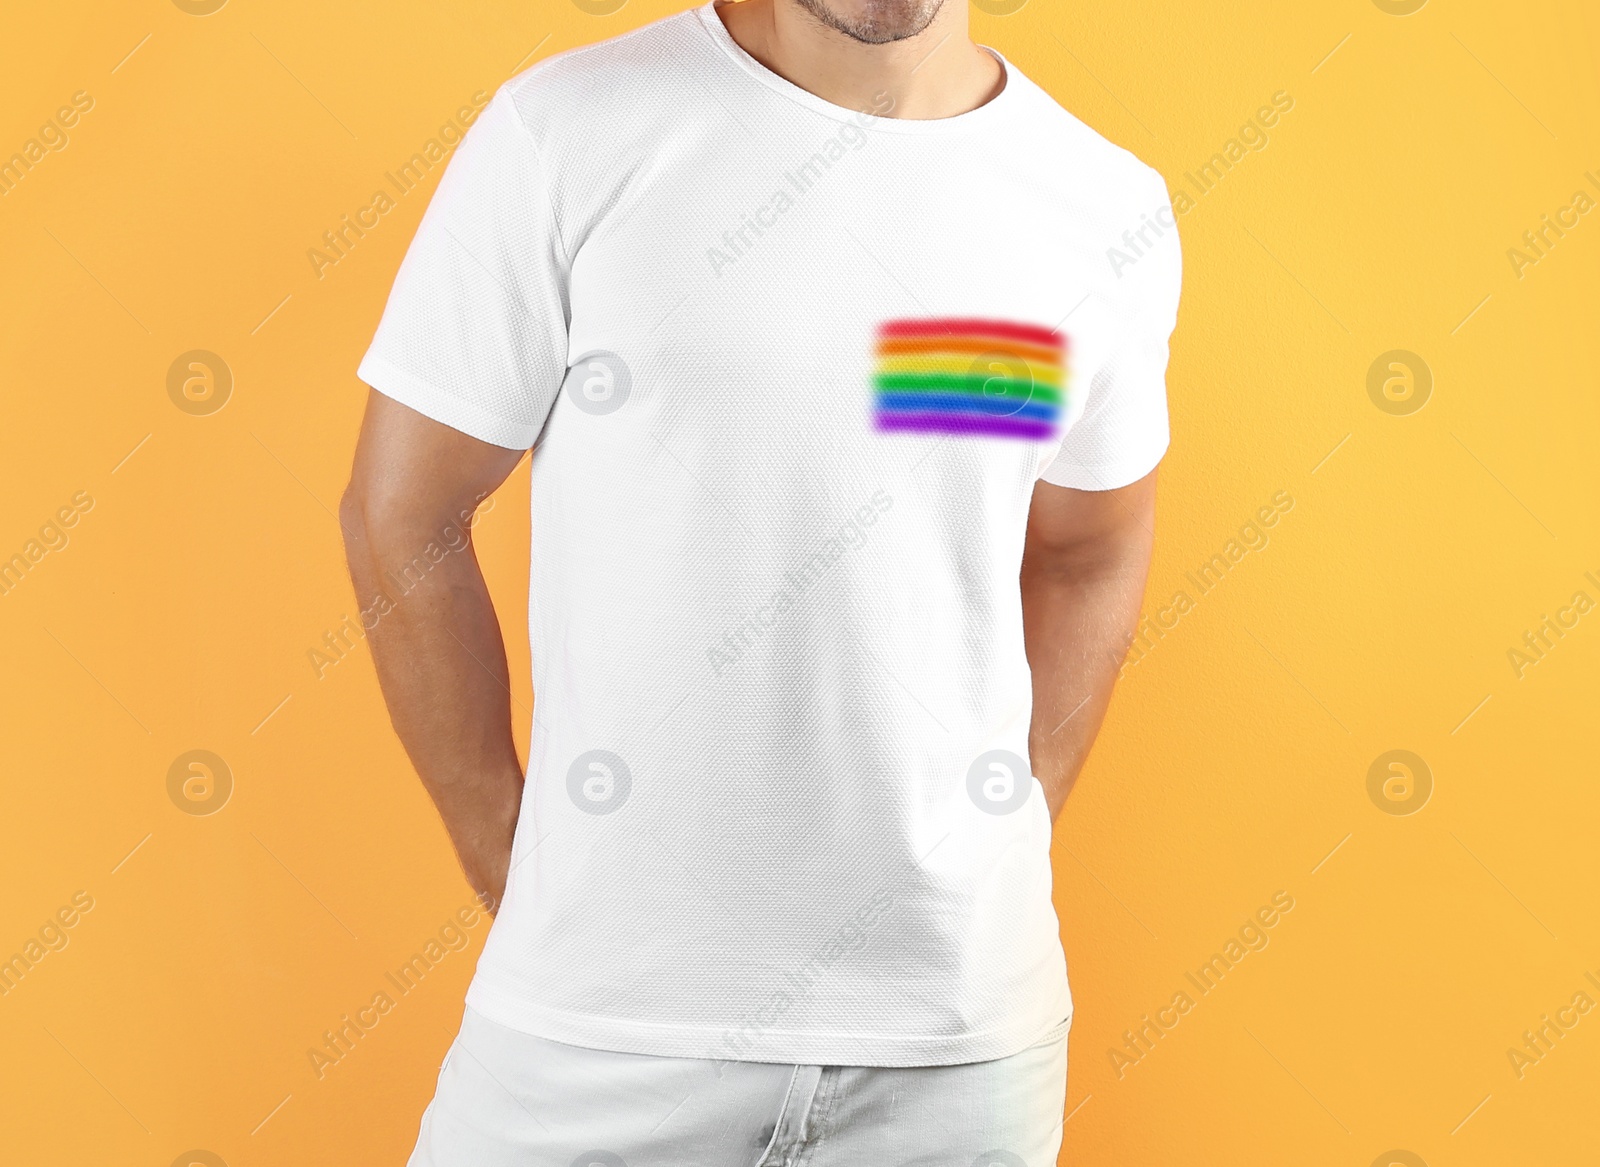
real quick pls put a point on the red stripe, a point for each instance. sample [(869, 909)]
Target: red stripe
[(966, 326)]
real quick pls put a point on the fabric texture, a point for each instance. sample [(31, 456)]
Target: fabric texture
[(793, 372), (509, 1099)]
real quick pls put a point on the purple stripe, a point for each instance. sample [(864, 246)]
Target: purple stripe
[(947, 423)]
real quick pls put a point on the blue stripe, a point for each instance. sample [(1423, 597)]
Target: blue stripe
[(965, 404)]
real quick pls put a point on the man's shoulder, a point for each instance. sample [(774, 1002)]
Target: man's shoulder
[(606, 85), (1073, 145)]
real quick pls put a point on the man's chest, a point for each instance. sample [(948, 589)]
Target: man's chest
[(848, 299)]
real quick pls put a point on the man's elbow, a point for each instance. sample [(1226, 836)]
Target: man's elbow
[(353, 515), (386, 521), (373, 506), (372, 518)]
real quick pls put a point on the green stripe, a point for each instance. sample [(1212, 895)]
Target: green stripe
[(975, 386)]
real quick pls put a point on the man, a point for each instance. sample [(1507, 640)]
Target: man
[(844, 433)]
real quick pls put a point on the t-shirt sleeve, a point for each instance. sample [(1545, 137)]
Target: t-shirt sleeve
[(474, 333), (1122, 432)]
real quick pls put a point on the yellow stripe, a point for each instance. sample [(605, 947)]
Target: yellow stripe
[(967, 365)]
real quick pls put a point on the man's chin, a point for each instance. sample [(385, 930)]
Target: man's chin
[(874, 22)]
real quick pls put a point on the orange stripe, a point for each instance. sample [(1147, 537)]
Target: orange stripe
[(968, 344)]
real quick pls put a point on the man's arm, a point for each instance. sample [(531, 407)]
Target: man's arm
[(436, 642), (1083, 574)]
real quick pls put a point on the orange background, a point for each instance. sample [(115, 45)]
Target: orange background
[(1419, 549)]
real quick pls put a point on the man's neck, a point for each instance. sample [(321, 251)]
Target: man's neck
[(938, 73)]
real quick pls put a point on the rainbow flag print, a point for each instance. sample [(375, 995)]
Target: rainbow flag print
[(989, 378)]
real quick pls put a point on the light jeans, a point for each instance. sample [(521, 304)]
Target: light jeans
[(508, 1099)]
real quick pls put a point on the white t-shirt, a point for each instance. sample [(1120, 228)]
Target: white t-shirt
[(791, 373)]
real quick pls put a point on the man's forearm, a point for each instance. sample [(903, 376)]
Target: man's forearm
[(1078, 612), (441, 662)]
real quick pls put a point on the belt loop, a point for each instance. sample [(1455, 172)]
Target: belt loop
[(806, 1080), (790, 1129)]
